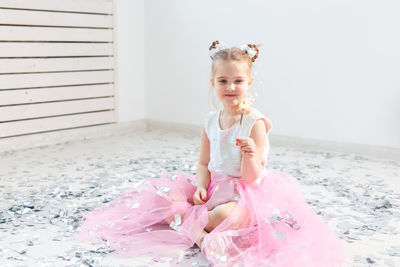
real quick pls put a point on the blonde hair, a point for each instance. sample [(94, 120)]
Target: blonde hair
[(229, 54), (232, 54)]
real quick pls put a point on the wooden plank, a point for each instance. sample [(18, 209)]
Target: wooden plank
[(89, 6), (24, 96), (55, 123), (21, 112), (16, 65), (12, 81), (29, 17), (54, 49), (20, 33)]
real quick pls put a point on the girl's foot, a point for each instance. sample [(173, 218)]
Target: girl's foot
[(199, 241)]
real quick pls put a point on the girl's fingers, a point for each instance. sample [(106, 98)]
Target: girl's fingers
[(199, 202), (245, 148), (248, 151), (197, 198), (196, 201), (203, 196), (240, 142)]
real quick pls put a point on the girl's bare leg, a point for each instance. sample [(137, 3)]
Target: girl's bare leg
[(218, 214)]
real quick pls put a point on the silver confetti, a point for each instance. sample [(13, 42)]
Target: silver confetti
[(47, 189), (176, 223), (192, 182), (280, 235), (133, 206), (172, 176), (162, 190)]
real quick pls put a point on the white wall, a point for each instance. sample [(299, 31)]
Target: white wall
[(327, 70), (130, 50)]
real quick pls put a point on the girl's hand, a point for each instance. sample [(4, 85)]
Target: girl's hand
[(200, 196), (247, 146)]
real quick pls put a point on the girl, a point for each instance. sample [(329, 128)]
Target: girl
[(234, 209)]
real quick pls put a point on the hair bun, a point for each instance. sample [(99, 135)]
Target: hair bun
[(252, 51), (213, 45)]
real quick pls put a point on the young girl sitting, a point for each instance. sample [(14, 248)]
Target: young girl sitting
[(234, 209)]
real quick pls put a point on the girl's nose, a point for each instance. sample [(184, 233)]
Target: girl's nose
[(231, 86)]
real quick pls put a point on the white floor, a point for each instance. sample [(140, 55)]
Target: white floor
[(45, 191)]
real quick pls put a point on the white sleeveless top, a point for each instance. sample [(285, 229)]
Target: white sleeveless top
[(225, 156)]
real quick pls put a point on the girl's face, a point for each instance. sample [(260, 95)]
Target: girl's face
[(231, 81)]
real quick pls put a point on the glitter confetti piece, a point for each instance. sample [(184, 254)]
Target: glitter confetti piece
[(192, 182), (275, 211), (176, 224), (280, 235), (172, 176), (236, 197), (290, 221), (294, 225), (133, 206), (136, 185), (162, 190), (276, 218), (218, 256), (267, 221)]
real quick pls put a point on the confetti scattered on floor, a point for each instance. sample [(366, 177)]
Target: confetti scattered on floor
[(45, 191)]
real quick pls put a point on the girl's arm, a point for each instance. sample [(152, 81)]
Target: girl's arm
[(203, 175), (252, 160)]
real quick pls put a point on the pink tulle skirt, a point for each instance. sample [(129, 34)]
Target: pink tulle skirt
[(270, 225)]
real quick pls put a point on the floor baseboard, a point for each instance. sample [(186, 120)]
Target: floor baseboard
[(69, 135), (375, 151)]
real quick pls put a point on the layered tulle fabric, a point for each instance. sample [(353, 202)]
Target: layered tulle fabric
[(271, 224)]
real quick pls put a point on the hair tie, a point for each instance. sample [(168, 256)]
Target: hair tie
[(216, 47), (250, 50)]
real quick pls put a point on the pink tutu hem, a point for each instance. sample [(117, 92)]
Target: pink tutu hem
[(271, 224)]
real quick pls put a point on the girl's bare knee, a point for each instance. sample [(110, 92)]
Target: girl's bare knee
[(226, 209), (218, 214)]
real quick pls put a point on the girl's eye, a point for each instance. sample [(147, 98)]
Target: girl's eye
[(239, 81), (222, 81)]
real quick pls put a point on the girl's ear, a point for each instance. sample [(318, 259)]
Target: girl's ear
[(212, 81), (251, 81)]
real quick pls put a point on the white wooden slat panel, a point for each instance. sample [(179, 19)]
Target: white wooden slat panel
[(55, 123), (90, 6), (54, 64), (54, 49), (20, 33), (24, 96), (29, 17), (10, 81), (56, 60), (20, 112)]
